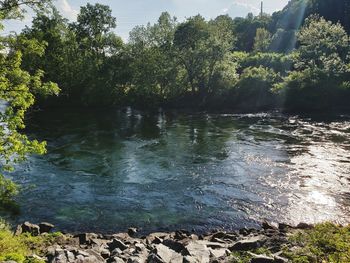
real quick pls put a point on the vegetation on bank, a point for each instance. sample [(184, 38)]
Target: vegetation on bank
[(21, 248), (296, 59), (325, 243)]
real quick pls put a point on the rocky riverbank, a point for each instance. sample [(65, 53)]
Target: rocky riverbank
[(268, 244)]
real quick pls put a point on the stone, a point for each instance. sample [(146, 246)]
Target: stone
[(199, 251), (45, 227), (115, 260), (174, 245), (70, 256), (261, 259), (284, 227), (33, 229), (105, 253), (182, 234), (248, 244), (219, 253), (116, 243), (85, 238), (244, 232), (266, 225), (304, 226), (132, 231), (166, 254)]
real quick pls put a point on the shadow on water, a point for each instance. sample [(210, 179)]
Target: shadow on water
[(108, 170)]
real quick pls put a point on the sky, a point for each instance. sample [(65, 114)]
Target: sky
[(130, 13)]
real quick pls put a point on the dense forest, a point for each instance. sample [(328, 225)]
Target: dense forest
[(245, 64)]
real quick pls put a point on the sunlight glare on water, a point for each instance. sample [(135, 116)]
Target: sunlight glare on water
[(106, 171)]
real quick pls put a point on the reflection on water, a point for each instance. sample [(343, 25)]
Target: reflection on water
[(106, 171)]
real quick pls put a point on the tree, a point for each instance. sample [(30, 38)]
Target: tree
[(17, 89), (329, 52), (201, 47), (94, 25), (262, 40), (321, 68), (153, 64)]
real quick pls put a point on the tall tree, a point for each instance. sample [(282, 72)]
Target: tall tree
[(17, 89)]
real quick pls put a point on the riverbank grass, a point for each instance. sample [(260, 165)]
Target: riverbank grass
[(21, 248), (325, 243)]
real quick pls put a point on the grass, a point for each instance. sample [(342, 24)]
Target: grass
[(20, 248), (325, 243)]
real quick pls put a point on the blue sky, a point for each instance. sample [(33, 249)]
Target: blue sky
[(138, 12)]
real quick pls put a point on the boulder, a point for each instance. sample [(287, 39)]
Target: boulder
[(261, 259), (33, 229), (166, 254), (304, 226), (248, 244), (45, 227), (198, 251), (132, 231), (85, 238), (116, 243), (174, 245), (267, 225)]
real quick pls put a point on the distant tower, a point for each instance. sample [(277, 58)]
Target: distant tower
[(262, 9)]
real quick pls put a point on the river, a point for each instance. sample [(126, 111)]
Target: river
[(109, 170)]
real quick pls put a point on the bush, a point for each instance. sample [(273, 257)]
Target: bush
[(254, 89), (19, 248), (312, 90), (325, 243)]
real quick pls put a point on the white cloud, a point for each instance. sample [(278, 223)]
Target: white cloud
[(248, 6), (67, 10)]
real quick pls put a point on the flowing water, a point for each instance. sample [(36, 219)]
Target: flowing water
[(108, 170)]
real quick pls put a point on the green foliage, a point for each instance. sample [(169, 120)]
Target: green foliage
[(254, 88), (320, 69), (195, 63), (327, 243), (17, 94), (19, 248), (262, 40), (280, 63)]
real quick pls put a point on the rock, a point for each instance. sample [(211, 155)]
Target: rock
[(166, 254), (223, 236), (248, 244), (132, 231), (189, 259), (174, 245), (182, 234), (284, 227), (266, 225), (244, 232), (115, 260), (116, 243), (198, 251), (85, 238), (219, 253), (33, 229), (45, 227), (105, 253), (156, 238), (70, 256), (304, 226), (261, 259)]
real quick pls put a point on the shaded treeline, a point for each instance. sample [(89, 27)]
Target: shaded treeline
[(294, 59)]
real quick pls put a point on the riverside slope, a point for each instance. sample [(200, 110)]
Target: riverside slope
[(180, 246)]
